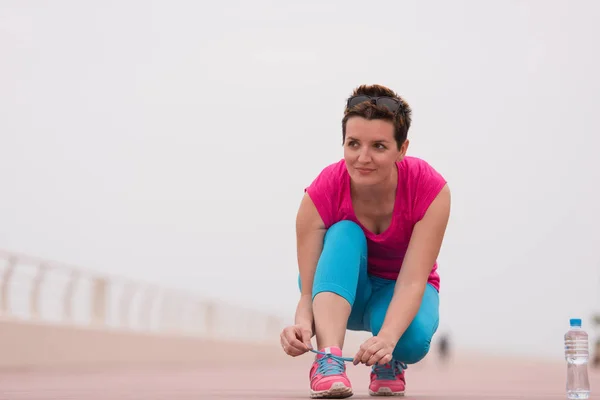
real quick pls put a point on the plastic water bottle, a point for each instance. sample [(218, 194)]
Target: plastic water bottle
[(577, 355)]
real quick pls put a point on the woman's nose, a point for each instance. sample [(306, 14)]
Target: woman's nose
[(364, 156)]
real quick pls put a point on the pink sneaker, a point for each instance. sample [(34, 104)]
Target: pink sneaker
[(328, 378), (388, 379)]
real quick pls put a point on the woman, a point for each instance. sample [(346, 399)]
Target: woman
[(369, 230)]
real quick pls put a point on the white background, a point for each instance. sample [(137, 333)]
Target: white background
[(171, 141)]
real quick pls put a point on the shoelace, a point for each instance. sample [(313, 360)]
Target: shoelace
[(389, 371), (336, 366), (386, 371)]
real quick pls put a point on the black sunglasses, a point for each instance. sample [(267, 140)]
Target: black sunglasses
[(390, 103)]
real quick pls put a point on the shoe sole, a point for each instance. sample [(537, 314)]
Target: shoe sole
[(337, 391), (385, 392)]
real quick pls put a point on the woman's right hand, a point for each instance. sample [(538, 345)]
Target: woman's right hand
[(295, 340)]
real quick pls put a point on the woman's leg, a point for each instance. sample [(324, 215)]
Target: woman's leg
[(414, 344), (341, 286), (340, 292)]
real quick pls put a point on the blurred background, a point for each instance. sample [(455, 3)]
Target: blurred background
[(167, 144)]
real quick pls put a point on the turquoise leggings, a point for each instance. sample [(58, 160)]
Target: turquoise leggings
[(342, 269)]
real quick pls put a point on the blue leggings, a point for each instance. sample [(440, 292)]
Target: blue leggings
[(342, 269)]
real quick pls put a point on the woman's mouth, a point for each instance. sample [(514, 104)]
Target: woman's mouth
[(364, 171)]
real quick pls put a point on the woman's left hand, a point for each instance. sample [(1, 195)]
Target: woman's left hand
[(375, 350)]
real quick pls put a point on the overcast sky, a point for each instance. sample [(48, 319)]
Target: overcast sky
[(171, 141)]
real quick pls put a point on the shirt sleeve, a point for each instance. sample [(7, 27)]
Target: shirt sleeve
[(324, 192), (428, 184)]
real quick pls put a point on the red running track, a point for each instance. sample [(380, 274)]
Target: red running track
[(287, 378)]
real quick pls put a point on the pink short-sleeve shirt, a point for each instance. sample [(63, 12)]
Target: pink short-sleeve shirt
[(418, 185)]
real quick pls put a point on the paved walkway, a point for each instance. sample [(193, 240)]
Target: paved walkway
[(286, 378)]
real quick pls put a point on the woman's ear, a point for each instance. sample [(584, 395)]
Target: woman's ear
[(403, 150)]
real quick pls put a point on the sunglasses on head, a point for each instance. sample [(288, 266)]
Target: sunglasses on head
[(390, 103)]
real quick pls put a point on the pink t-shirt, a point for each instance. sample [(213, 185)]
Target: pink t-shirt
[(418, 185)]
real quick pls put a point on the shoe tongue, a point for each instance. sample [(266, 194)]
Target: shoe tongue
[(336, 351)]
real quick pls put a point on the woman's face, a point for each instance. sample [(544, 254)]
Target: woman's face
[(371, 151)]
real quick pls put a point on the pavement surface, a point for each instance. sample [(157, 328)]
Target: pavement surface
[(287, 378)]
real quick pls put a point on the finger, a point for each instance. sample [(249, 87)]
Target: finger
[(285, 342), (291, 349), (374, 348), (291, 335), (285, 345), (357, 357), (306, 335), (296, 344), (375, 358), (361, 351), (385, 359), (282, 339)]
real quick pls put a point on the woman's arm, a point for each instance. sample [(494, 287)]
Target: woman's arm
[(422, 252), (310, 231)]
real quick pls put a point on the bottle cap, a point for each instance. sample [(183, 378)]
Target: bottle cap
[(575, 322)]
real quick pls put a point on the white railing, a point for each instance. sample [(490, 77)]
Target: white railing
[(43, 291)]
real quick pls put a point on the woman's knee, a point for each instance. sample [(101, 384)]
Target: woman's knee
[(414, 345), (347, 232)]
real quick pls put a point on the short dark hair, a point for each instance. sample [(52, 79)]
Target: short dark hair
[(401, 119)]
